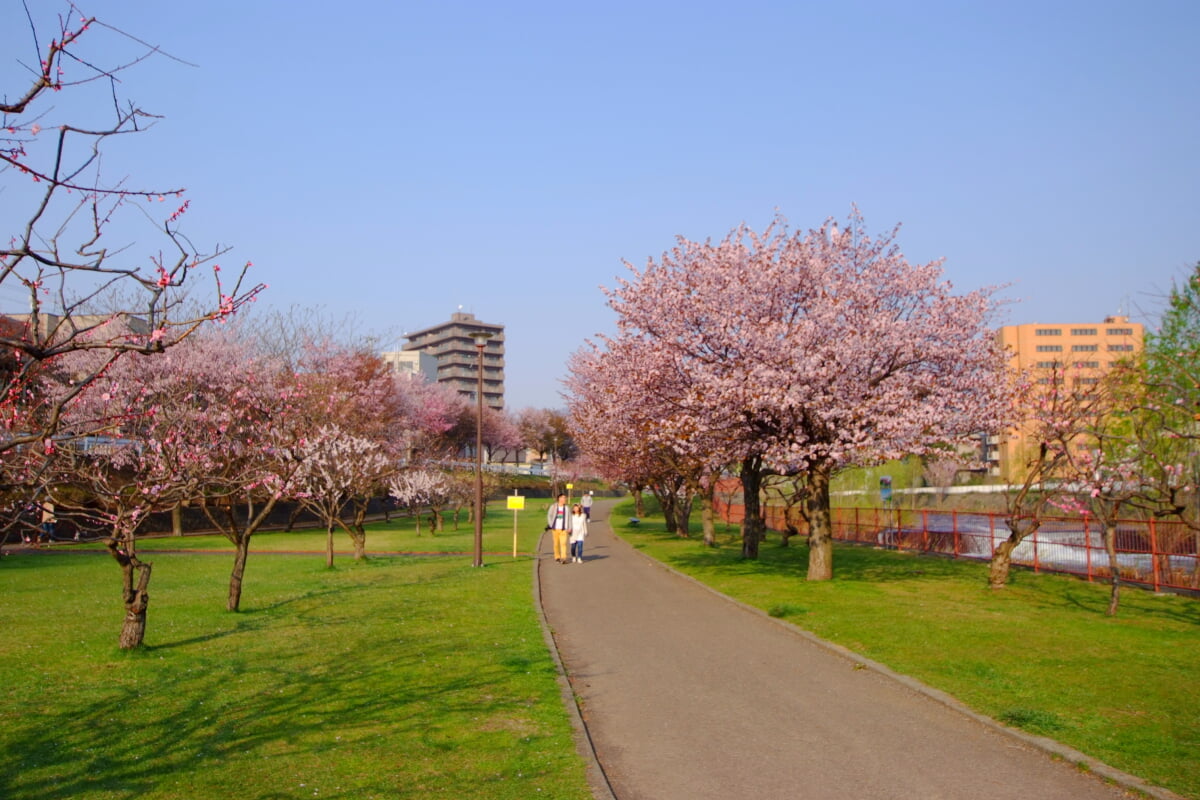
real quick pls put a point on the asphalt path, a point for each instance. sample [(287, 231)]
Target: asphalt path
[(684, 694)]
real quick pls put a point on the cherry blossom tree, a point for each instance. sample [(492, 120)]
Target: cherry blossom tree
[(616, 399), (70, 253), (337, 469), (151, 432), (1055, 419), (415, 489), (808, 352)]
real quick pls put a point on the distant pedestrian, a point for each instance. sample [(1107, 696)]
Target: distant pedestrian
[(579, 532), (586, 502), (558, 523), (48, 521)]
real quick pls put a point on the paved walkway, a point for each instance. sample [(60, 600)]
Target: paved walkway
[(687, 695)]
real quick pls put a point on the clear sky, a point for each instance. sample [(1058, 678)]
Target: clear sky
[(396, 160)]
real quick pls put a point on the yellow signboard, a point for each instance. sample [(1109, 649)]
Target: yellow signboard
[(516, 502), (570, 486)]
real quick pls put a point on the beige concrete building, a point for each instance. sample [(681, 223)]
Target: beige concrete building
[(457, 357), (1080, 352), (411, 363)]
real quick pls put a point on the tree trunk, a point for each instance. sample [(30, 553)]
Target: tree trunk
[(358, 532), (236, 578), (820, 525), (752, 523), (708, 518), (177, 520), (639, 509), (1001, 562), (666, 502), (1110, 546), (135, 595), (683, 516), (329, 545), (293, 515)]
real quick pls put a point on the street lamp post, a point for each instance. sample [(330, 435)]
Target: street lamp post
[(481, 338)]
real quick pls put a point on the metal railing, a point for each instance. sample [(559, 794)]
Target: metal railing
[(1156, 554)]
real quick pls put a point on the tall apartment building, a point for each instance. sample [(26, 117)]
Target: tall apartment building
[(456, 353), (1081, 352)]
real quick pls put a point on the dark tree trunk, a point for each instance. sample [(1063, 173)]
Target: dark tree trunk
[(293, 515), (241, 551), (752, 522), (135, 577), (177, 520), (683, 515), (329, 545)]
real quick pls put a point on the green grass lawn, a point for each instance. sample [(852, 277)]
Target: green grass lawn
[(397, 677), (1040, 655)]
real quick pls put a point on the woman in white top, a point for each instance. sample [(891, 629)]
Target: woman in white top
[(579, 532)]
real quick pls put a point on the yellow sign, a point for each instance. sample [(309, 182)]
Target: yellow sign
[(516, 502), (570, 486)]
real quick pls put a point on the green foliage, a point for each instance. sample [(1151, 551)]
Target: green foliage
[(1040, 655), (393, 678)]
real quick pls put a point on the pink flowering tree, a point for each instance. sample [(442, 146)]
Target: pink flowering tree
[(1055, 419), (617, 399), (417, 489), (808, 352), (69, 253), (339, 468), (152, 432)]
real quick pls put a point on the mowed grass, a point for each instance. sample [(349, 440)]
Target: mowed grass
[(397, 677), (1040, 655)]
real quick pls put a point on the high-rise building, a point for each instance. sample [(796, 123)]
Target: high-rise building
[(1077, 353), (457, 365)]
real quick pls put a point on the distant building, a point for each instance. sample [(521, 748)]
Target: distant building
[(411, 362), (457, 365), (57, 328), (1080, 352)]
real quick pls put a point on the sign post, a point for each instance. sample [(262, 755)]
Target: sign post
[(517, 503)]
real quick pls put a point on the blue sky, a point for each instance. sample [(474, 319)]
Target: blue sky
[(396, 160)]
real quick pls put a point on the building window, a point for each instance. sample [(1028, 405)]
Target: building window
[(1120, 348), (1087, 365), (1083, 331), (1049, 348), (1048, 332), (1086, 381), (1084, 348), (1120, 331), (1047, 364)]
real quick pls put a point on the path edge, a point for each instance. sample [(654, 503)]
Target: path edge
[(1049, 746), (597, 777)]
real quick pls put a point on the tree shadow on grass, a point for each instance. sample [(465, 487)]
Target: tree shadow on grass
[(304, 684)]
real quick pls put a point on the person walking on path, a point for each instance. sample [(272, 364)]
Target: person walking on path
[(586, 502), (579, 532), (558, 522), (687, 695)]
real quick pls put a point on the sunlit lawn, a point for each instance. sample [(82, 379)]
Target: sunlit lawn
[(1039, 655), (398, 677)]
